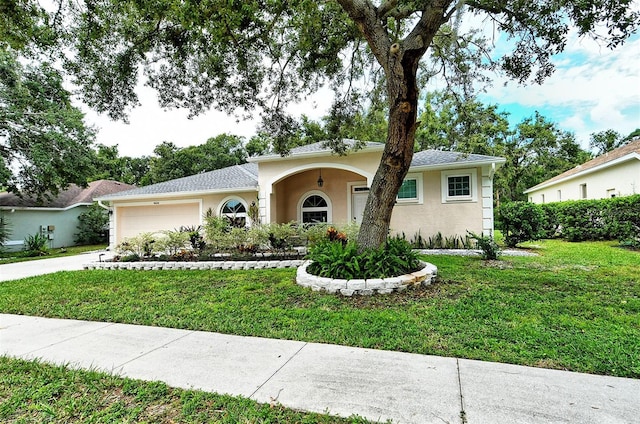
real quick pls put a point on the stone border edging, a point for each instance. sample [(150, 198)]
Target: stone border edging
[(423, 277), (200, 265)]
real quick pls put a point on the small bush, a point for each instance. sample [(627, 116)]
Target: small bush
[(519, 222), (142, 245), (93, 226), (36, 245), (489, 247)]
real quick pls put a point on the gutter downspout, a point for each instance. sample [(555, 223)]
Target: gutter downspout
[(112, 226)]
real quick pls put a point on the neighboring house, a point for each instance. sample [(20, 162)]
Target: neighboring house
[(443, 192), (613, 174), (57, 219)]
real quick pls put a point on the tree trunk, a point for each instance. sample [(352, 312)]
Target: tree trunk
[(398, 152)]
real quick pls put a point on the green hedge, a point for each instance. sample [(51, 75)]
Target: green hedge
[(578, 220)]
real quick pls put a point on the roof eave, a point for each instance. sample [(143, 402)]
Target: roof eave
[(43, 208), (177, 194), (323, 153), (455, 165)]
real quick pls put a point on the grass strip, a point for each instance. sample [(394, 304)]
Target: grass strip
[(34, 392)]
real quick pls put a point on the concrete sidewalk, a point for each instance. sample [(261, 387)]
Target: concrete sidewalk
[(378, 385), (25, 269)]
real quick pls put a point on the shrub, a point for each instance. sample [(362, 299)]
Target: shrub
[(336, 259), (142, 245), (36, 245), (489, 247), (93, 226), (583, 220), (520, 221), (171, 242), (195, 237), (623, 219)]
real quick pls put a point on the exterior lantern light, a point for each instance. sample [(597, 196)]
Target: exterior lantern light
[(320, 180)]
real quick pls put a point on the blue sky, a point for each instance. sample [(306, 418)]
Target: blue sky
[(593, 89)]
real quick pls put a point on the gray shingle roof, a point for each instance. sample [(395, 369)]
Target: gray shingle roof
[(318, 147), (236, 176), (72, 196), (439, 157)]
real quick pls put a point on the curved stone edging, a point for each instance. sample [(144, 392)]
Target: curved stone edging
[(201, 265), (366, 287)]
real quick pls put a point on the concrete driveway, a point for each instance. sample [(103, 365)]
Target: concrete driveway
[(50, 265)]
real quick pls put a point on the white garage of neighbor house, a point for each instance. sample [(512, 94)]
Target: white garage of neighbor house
[(445, 192)]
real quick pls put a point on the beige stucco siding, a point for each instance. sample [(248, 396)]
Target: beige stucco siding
[(292, 190), (151, 218), (622, 179), (169, 213), (433, 216)]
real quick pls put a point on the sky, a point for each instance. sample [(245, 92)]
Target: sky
[(593, 89)]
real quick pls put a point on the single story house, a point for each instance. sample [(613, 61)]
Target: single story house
[(613, 174), (57, 218), (443, 192)]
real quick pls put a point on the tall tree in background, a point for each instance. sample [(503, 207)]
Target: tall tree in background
[(44, 142), (171, 161), (109, 165), (256, 54), (461, 125), (536, 151), (606, 141)]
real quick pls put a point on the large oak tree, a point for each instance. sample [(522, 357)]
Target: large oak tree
[(241, 55)]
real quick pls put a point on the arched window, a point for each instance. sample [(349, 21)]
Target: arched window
[(315, 208), (235, 211)]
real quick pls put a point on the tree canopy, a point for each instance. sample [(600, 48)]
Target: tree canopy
[(237, 55), (44, 143)]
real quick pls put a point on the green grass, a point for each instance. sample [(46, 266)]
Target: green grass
[(33, 392), (13, 257), (574, 307)]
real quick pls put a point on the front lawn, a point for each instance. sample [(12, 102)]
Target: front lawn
[(574, 307)]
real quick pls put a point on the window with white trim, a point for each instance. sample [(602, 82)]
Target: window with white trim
[(459, 185), (411, 189), (235, 211), (315, 209)]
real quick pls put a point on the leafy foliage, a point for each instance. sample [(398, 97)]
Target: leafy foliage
[(93, 226), (36, 245), (44, 143), (172, 162), (520, 221), (489, 247), (343, 260), (109, 165), (605, 219)]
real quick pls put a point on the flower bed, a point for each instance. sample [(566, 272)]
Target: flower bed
[(424, 276)]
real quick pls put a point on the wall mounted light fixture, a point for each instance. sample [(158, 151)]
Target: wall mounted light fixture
[(320, 180)]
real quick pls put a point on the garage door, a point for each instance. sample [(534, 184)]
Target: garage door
[(133, 220)]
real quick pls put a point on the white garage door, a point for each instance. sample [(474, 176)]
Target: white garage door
[(133, 220)]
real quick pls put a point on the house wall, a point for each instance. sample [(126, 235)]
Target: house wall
[(450, 219), (290, 191), (131, 218), (622, 179), (428, 217), (25, 222)]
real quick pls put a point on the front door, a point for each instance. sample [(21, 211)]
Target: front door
[(359, 196)]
